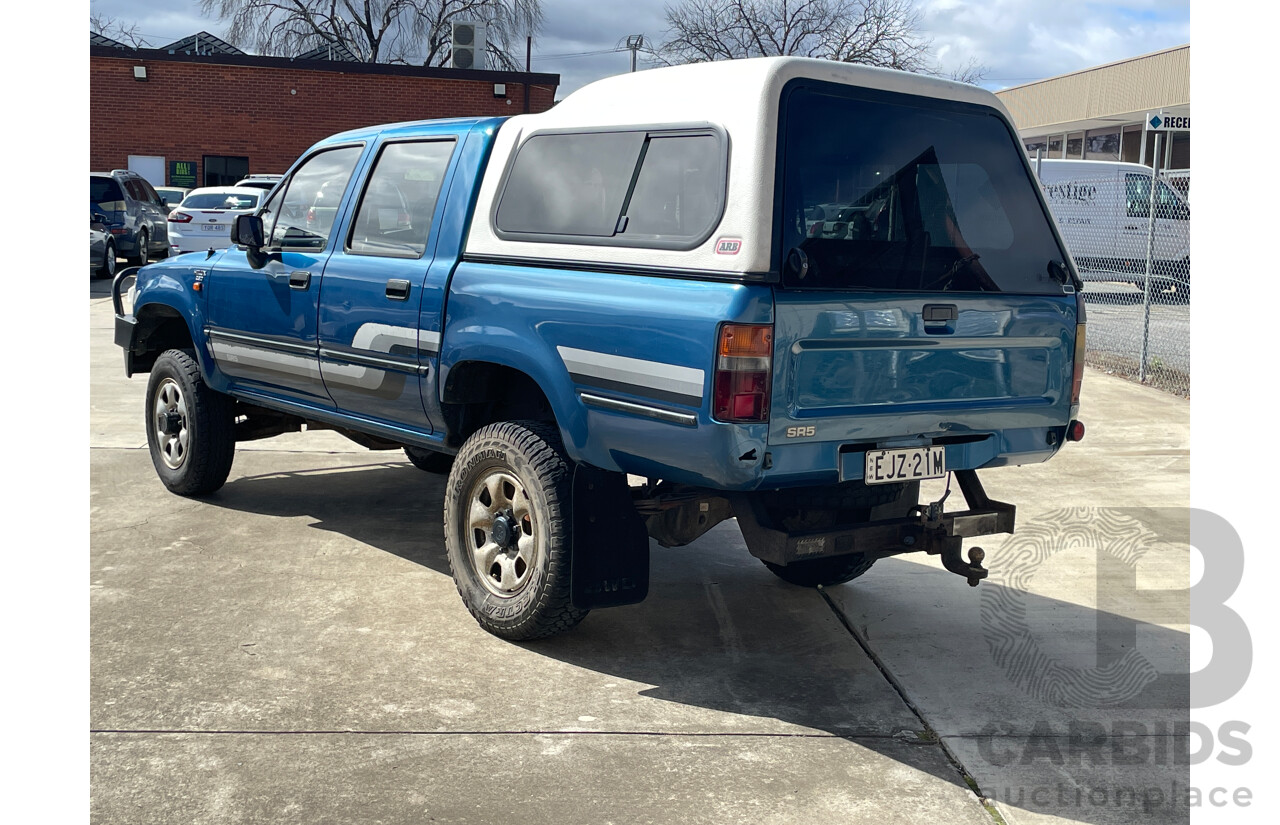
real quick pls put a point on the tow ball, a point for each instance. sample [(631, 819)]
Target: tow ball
[(973, 571)]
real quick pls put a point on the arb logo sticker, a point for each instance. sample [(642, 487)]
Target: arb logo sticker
[(728, 246)]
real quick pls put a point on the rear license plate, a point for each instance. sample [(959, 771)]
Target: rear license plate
[(886, 466), (212, 227)]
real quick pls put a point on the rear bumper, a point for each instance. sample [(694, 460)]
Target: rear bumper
[(823, 462)]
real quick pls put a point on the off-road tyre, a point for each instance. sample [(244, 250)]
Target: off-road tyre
[(515, 459), (430, 461), (196, 459), (828, 571)]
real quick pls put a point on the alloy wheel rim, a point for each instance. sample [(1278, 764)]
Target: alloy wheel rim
[(501, 533), (173, 434)]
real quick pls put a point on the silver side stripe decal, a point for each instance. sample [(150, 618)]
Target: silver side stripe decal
[(659, 378), (251, 356), (382, 337)]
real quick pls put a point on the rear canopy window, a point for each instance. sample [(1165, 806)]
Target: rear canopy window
[(105, 194), (647, 189), (895, 193)]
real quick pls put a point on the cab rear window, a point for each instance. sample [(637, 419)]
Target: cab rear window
[(890, 192)]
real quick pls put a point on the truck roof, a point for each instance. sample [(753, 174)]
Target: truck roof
[(727, 90), (406, 128), (739, 96)]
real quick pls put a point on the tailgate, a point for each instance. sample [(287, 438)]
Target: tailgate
[(866, 368)]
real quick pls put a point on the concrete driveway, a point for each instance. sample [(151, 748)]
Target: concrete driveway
[(292, 649)]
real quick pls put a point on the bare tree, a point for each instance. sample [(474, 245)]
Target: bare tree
[(379, 31), (110, 27), (871, 32)]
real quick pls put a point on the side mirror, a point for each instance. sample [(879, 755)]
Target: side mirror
[(99, 217), (247, 230)]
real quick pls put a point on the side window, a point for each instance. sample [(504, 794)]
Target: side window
[(394, 216), (654, 189), (310, 200), (679, 191), (134, 189), (151, 194), (1137, 195), (270, 210), (569, 184)]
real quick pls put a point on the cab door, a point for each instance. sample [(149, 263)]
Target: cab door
[(373, 356), (262, 315)]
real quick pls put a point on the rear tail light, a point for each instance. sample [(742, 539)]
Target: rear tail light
[(744, 373), (1077, 375), (119, 230), (179, 217)]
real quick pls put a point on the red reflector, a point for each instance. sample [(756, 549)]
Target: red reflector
[(118, 230), (1075, 431)]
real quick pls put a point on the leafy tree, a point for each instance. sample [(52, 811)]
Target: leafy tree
[(379, 31)]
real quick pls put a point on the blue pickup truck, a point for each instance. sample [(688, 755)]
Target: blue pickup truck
[(779, 290)]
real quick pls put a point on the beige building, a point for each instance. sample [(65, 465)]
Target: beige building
[(1098, 113)]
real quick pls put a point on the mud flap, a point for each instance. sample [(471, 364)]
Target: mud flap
[(610, 544)]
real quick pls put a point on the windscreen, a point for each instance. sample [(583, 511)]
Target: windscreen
[(892, 192), (220, 200)]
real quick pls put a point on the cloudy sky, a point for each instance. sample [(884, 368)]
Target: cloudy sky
[(1017, 41)]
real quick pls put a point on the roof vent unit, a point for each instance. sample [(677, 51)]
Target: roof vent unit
[(467, 47)]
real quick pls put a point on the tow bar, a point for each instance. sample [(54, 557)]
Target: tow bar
[(931, 531)]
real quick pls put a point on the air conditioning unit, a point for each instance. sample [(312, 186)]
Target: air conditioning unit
[(467, 47)]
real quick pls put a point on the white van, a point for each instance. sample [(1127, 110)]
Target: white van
[(1102, 209)]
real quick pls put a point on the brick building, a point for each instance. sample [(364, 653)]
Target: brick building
[(217, 117)]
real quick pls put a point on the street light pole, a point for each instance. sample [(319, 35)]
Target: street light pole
[(634, 42)]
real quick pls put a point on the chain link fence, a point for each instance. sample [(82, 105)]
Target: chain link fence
[(1132, 248)]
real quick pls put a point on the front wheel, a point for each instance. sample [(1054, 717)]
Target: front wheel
[(190, 427), (507, 524), (107, 269)]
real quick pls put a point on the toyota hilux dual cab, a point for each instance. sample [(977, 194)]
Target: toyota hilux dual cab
[(779, 290)]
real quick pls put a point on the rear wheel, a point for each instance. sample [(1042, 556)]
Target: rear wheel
[(507, 530), (139, 256)]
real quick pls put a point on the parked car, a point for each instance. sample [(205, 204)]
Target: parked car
[(267, 182), (136, 217), (547, 305), (102, 246), (171, 196), (203, 219)]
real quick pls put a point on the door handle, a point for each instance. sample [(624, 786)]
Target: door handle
[(299, 279), (940, 312), (398, 289)]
